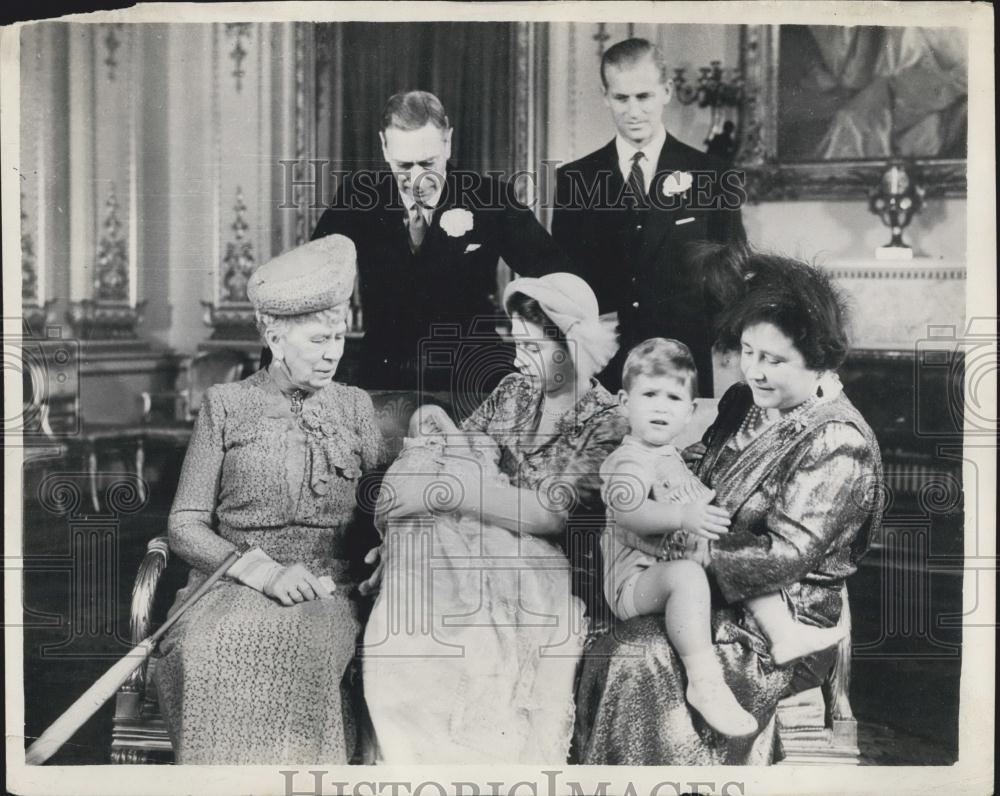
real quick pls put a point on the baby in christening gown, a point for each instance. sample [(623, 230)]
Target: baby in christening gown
[(468, 657)]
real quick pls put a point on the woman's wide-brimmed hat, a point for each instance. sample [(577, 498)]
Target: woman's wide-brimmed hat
[(571, 305), (315, 276)]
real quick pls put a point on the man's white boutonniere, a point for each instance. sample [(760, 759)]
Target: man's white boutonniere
[(677, 183), (456, 222)]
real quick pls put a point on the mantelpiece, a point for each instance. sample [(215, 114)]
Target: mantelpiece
[(894, 304), (895, 307)]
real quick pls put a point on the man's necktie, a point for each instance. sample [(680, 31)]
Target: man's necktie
[(417, 226), (635, 181)]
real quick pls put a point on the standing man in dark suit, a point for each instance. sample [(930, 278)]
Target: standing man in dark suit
[(626, 213), (428, 238)]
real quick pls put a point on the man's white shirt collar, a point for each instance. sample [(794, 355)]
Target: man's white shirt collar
[(626, 152)]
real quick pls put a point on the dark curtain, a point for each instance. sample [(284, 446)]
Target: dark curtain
[(468, 65)]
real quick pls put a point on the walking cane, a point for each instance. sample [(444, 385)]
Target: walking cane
[(62, 729)]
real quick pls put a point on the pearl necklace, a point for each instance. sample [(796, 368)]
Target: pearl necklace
[(753, 418), (756, 418)]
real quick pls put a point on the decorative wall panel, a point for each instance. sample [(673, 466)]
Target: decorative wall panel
[(261, 107), (107, 72)]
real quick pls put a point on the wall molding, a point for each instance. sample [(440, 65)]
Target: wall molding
[(917, 268)]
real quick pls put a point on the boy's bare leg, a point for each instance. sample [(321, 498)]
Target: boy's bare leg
[(680, 590), (789, 639)]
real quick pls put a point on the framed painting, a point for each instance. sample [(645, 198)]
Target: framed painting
[(825, 108)]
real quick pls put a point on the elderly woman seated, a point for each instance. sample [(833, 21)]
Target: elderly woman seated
[(251, 674)]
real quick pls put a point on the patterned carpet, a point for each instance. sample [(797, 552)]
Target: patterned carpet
[(883, 746)]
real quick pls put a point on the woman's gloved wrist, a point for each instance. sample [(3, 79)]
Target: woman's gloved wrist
[(255, 569)]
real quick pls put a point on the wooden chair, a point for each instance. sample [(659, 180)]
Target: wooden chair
[(138, 732), (56, 425), (817, 726), (169, 417)]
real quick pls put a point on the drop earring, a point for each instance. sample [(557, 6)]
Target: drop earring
[(825, 376)]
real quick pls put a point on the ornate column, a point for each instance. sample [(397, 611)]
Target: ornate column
[(106, 75), (38, 76), (261, 114)]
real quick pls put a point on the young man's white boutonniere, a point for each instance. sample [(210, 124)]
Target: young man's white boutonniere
[(456, 222), (677, 183)]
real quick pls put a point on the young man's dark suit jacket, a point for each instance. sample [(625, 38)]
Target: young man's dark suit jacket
[(429, 316), (635, 259)]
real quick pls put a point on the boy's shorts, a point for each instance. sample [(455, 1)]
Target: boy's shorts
[(624, 603), (622, 567)]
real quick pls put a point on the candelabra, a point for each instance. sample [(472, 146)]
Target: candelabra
[(720, 90), (714, 88)]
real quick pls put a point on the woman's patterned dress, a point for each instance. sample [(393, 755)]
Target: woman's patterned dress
[(472, 647), (804, 500), (243, 679)]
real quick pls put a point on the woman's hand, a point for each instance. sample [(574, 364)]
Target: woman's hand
[(705, 520), (374, 581), (295, 584), (694, 453)]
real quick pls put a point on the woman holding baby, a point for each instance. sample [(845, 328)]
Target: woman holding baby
[(476, 662), (795, 470)]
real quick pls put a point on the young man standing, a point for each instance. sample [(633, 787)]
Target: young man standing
[(626, 213)]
